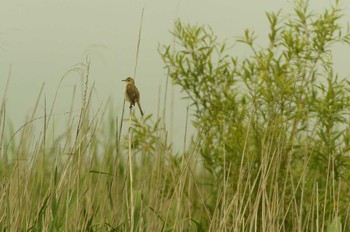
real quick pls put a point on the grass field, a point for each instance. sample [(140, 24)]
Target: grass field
[(270, 153), (96, 177)]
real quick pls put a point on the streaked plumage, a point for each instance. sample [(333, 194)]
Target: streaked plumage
[(132, 94)]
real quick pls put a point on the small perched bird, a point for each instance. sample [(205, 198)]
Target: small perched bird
[(132, 94)]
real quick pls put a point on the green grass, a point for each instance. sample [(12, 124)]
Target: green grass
[(271, 152), (80, 181)]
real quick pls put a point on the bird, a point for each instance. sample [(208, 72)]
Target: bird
[(132, 94)]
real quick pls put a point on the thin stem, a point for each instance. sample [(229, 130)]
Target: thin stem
[(138, 44), (130, 154)]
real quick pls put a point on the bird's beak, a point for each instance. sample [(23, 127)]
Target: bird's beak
[(124, 80)]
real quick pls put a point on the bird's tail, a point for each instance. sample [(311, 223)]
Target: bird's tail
[(139, 105)]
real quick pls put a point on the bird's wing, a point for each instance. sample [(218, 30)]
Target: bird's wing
[(133, 93)]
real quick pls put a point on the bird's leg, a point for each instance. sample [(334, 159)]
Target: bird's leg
[(130, 107)]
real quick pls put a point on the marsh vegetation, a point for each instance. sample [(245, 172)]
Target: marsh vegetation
[(271, 152)]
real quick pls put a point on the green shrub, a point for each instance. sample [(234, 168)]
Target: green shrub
[(275, 123)]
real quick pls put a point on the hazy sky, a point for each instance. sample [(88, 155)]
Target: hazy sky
[(41, 39)]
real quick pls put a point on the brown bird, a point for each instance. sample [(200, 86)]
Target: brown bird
[(132, 94)]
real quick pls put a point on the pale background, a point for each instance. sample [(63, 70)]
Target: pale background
[(42, 39)]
